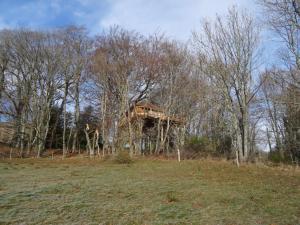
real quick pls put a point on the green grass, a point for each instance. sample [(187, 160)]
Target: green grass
[(83, 191)]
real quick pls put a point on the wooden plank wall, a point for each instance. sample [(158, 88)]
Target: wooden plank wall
[(6, 133)]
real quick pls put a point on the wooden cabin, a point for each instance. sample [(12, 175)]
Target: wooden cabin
[(151, 125), (150, 111), (7, 132)]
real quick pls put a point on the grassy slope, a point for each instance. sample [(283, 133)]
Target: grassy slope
[(83, 191)]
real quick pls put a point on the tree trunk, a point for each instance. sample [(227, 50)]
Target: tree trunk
[(158, 137), (69, 138), (97, 142), (245, 135), (65, 118), (130, 135), (165, 134), (77, 114), (2, 78), (103, 112), (88, 141)]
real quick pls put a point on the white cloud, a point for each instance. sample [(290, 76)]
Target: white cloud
[(176, 18)]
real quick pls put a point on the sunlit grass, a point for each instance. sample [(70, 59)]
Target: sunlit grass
[(84, 191)]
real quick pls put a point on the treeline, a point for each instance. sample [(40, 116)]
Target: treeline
[(41, 71), (65, 89)]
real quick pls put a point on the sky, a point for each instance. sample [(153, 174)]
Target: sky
[(175, 18)]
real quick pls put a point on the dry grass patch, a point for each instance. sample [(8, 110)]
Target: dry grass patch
[(93, 191)]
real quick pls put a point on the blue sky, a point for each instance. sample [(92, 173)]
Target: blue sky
[(175, 18), (41, 14)]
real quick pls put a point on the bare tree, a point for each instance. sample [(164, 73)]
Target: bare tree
[(4, 58), (283, 17), (231, 47), (126, 67)]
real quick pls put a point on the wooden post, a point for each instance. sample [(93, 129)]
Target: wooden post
[(150, 146), (96, 142), (237, 158), (167, 147), (178, 154), (91, 151), (10, 153)]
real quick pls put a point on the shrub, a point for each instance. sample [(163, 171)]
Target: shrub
[(171, 197), (123, 157), (224, 147), (275, 157), (200, 146)]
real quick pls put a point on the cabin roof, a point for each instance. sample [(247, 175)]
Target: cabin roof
[(148, 110), (149, 106)]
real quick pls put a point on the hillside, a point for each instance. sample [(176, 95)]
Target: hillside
[(84, 191)]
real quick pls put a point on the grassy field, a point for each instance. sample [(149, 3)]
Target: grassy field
[(83, 191)]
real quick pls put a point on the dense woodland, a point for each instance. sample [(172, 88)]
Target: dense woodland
[(64, 89)]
